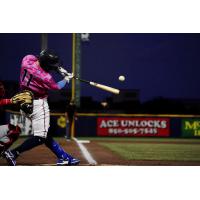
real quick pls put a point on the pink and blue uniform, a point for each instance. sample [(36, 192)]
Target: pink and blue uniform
[(37, 80), (34, 78)]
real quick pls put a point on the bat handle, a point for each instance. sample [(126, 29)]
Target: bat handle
[(82, 80)]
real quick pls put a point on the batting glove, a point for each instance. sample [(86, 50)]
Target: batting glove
[(69, 77), (62, 71)]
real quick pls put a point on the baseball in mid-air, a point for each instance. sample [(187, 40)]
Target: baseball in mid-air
[(121, 78)]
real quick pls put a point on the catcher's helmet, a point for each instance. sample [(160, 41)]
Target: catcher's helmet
[(48, 60), (2, 90)]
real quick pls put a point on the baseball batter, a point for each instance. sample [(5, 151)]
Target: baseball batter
[(35, 77)]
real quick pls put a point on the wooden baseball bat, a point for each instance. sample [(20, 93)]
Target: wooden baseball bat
[(64, 73), (100, 86)]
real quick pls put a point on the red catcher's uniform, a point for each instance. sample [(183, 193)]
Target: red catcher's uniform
[(8, 133), (4, 102)]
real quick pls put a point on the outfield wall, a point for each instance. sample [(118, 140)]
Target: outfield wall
[(136, 125), (117, 125)]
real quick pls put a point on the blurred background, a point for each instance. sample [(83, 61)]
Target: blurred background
[(161, 70)]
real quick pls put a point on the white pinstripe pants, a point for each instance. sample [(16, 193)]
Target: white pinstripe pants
[(40, 118)]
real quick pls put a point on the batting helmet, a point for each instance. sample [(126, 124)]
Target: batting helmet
[(2, 90), (48, 60)]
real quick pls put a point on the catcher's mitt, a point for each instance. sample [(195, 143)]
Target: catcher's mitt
[(25, 100)]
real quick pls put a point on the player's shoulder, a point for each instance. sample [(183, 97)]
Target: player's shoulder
[(30, 57), (29, 61)]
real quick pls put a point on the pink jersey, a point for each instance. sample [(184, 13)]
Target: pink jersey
[(34, 78)]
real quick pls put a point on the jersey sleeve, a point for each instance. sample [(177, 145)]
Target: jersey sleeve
[(50, 84), (4, 102)]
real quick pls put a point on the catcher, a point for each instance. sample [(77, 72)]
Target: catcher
[(10, 133)]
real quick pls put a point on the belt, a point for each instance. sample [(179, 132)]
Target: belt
[(38, 98)]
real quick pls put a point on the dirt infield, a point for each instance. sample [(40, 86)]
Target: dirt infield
[(41, 155), (103, 156)]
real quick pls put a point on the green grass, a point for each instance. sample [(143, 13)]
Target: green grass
[(173, 152), (141, 139)]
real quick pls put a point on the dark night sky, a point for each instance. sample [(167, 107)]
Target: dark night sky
[(165, 65)]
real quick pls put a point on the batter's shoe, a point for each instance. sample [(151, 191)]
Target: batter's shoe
[(67, 162), (62, 162), (8, 155), (74, 161)]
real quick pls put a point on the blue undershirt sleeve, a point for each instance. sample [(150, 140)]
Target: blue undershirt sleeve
[(61, 84)]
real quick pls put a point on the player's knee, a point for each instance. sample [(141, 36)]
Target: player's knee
[(14, 132), (48, 141), (5, 143), (2, 146)]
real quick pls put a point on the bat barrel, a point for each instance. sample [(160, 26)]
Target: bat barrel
[(105, 87), (100, 86)]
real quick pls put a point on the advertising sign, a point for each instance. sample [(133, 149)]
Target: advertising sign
[(127, 126), (191, 127)]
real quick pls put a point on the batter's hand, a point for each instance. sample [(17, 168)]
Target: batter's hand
[(68, 77), (62, 71)]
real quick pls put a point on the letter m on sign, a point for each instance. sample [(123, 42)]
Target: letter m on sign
[(190, 126)]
